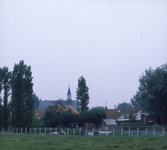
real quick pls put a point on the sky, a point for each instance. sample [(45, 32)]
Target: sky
[(110, 43)]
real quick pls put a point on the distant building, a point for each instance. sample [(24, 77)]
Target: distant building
[(44, 104)]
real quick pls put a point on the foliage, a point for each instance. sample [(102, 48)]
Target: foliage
[(51, 118), (82, 95), (37, 101), (6, 87), (68, 117), (136, 101), (22, 101), (124, 105), (94, 115), (153, 92), (1, 107), (58, 115), (131, 117), (37, 123)]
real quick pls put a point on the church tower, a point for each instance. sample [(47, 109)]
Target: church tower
[(69, 97)]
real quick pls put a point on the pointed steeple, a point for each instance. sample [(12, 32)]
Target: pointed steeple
[(69, 94)]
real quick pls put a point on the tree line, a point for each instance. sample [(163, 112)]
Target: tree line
[(17, 84)]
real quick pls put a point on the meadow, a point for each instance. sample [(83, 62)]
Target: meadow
[(12, 141)]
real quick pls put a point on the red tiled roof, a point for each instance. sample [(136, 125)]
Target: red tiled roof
[(39, 114), (116, 113), (68, 107)]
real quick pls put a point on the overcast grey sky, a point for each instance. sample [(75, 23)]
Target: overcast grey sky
[(110, 43)]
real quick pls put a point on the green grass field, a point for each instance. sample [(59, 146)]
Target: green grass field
[(11, 141)]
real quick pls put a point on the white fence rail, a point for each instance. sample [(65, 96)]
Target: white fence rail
[(114, 131)]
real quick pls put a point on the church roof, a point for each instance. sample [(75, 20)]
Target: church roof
[(46, 103)]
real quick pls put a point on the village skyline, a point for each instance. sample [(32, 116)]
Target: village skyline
[(109, 43)]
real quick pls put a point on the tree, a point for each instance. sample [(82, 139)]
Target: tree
[(37, 101), (51, 118), (68, 117), (153, 91), (136, 101), (131, 117), (82, 95), (22, 101), (124, 105), (1, 107), (59, 114), (6, 87), (97, 114), (94, 115)]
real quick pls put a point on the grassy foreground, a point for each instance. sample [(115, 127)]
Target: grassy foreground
[(11, 141)]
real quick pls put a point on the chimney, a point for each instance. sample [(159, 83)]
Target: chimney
[(106, 107), (115, 106)]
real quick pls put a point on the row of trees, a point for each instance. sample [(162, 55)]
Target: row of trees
[(57, 115), (18, 84)]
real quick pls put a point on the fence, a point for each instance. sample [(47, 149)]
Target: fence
[(112, 131)]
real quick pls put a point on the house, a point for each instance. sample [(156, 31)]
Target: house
[(120, 115), (106, 123), (39, 114), (146, 118), (74, 103)]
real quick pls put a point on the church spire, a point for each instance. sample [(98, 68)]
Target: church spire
[(69, 94)]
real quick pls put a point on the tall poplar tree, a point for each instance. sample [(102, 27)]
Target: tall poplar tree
[(6, 87), (0, 97), (82, 95), (22, 101)]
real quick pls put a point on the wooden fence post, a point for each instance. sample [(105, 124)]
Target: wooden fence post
[(121, 131), (154, 132), (113, 131), (26, 130), (12, 129), (16, 129), (106, 131), (80, 131), (35, 131), (86, 132), (50, 130), (132, 132), (30, 130), (146, 132), (93, 131), (163, 132), (73, 131), (45, 130), (67, 131), (137, 132), (129, 131), (100, 132), (39, 130), (21, 129)]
